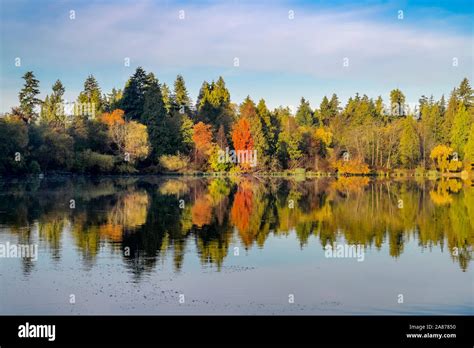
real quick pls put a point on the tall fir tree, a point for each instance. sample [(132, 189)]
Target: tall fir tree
[(133, 99), (448, 117), (304, 114), (325, 111), (154, 116), (397, 103), (409, 143), (28, 97), (465, 93), (167, 99), (180, 96), (91, 98), (461, 129), (214, 105), (52, 111)]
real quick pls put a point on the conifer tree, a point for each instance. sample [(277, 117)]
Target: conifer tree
[(409, 143), (460, 130), (28, 97), (304, 114), (155, 117), (91, 98), (134, 95)]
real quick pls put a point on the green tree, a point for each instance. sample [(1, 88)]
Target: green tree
[(112, 100), (460, 129), (134, 95), (465, 93), (157, 121), (52, 111), (304, 114), (270, 128), (409, 144), (90, 98), (214, 105), (448, 117), (180, 96), (28, 97), (469, 148), (186, 134), (397, 102), (166, 94), (257, 130)]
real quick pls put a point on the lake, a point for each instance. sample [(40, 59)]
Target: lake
[(240, 245)]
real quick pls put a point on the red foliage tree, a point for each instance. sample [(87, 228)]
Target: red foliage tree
[(242, 138)]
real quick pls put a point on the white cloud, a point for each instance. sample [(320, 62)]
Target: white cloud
[(262, 37)]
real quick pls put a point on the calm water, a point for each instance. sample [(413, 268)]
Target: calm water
[(148, 245)]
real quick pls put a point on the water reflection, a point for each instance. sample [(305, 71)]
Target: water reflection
[(141, 220)]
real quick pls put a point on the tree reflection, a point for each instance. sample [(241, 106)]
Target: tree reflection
[(150, 219)]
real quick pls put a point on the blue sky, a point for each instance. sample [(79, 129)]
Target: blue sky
[(281, 59)]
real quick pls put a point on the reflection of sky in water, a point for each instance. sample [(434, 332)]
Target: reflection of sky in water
[(258, 281)]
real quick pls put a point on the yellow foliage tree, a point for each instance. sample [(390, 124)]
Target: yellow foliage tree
[(440, 155), (324, 135)]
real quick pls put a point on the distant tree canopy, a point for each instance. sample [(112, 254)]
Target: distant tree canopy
[(148, 127)]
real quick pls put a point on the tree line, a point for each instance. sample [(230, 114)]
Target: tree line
[(149, 127)]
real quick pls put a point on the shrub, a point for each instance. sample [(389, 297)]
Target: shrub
[(174, 163), (93, 162)]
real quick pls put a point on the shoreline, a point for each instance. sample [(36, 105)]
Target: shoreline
[(396, 174)]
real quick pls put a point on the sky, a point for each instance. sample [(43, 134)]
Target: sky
[(285, 49)]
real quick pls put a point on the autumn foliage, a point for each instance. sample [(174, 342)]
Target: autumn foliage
[(350, 166), (112, 118), (202, 212), (202, 137), (241, 211), (242, 138)]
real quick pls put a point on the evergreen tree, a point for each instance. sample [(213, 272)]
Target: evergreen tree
[(304, 114), (91, 98), (325, 111), (180, 97), (203, 91), (154, 116), (397, 103), (186, 134), (52, 111), (134, 95), (442, 106), (57, 102), (409, 144), (166, 93), (460, 130), (112, 100), (333, 106), (46, 110), (214, 105), (28, 97), (469, 148), (448, 118), (270, 127), (465, 93), (379, 109), (431, 127)]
